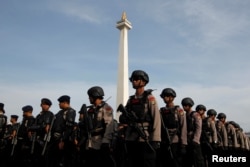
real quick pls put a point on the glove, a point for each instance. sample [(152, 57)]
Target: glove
[(105, 147), (214, 145), (183, 150), (194, 144), (155, 144)]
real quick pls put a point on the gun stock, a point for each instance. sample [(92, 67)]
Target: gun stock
[(131, 116), (169, 141), (14, 141), (48, 136)]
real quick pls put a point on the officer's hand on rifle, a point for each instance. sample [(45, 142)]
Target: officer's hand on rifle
[(194, 144), (155, 144), (105, 148), (215, 145), (183, 150), (61, 145)]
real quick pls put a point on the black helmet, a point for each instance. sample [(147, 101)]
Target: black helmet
[(187, 101), (168, 92), (200, 107), (236, 125), (96, 91), (211, 112), (140, 75), (2, 107), (221, 115)]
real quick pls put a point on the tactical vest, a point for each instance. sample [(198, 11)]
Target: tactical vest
[(98, 125), (140, 106), (190, 122), (93, 114), (206, 132), (3, 121), (170, 117)]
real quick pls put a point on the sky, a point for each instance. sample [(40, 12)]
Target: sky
[(200, 48)]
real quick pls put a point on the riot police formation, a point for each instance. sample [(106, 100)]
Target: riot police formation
[(145, 134)]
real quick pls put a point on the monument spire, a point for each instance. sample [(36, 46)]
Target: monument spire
[(123, 79)]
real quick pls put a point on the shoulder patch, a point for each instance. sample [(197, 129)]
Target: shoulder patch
[(198, 116), (151, 99), (108, 108), (180, 111)]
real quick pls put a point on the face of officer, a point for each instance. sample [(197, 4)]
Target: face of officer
[(45, 107), (138, 82), (95, 100), (168, 99), (63, 105), (201, 112)]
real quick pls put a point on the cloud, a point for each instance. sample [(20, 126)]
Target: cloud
[(206, 24), (81, 11), (215, 24)]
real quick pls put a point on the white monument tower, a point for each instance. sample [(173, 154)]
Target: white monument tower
[(123, 79)]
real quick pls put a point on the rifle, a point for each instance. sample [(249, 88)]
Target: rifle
[(132, 119), (34, 129), (14, 141), (88, 122), (169, 141), (48, 136)]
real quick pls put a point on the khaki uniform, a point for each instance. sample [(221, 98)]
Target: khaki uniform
[(240, 139), (194, 126), (177, 134), (222, 134), (213, 132), (99, 136), (153, 130), (232, 138), (247, 142), (194, 155)]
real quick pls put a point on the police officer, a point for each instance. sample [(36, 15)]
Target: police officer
[(98, 121), (63, 127), (209, 138), (222, 133), (11, 153), (231, 127), (25, 136), (3, 126), (43, 123), (80, 140), (174, 128), (3, 121), (143, 108), (239, 136), (194, 128)]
